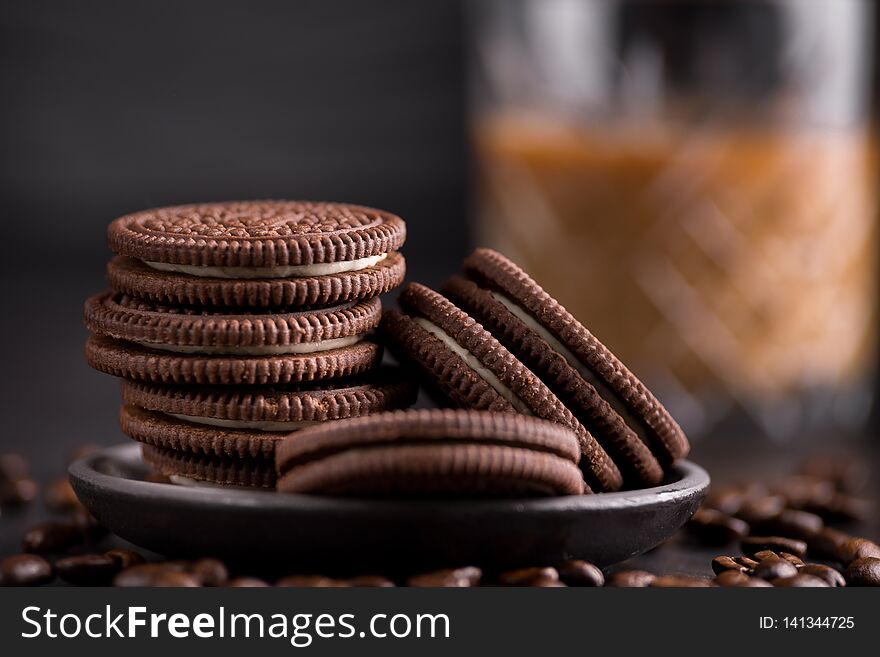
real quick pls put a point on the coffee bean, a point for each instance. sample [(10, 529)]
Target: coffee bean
[(848, 474), (857, 548), (544, 583), (793, 559), (791, 523), (775, 568), (526, 576), (752, 544), (727, 499), (24, 570), (13, 467), (747, 562), (680, 582), (453, 577), (802, 490), (88, 524), (577, 572), (308, 581), (734, 578), (59, 496), (173, 579), (864, 571), (154, 574), (246, 583), (843, 508), (760, 555), (826, 543), (372, 581), (722, 564), (799, 581), (18, 492), (630, 579), (88, 569), (53, 537), (125, 557), (715, 528), (157, 478), (761, 509), (831, 576), (210, 572)]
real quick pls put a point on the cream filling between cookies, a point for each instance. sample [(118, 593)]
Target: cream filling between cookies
[(261, 350), (259, 425), (474, 363), (281, 271), (604, 391)]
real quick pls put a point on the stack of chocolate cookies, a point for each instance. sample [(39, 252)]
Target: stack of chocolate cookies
[(494, 340), (234, 324)]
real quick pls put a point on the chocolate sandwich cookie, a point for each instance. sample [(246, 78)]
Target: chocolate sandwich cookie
[(432, 453), (134, 277), (198, 469), (262, 411), (327, 252), (471, 369), (632, 456), (149, 341), (547, 321)]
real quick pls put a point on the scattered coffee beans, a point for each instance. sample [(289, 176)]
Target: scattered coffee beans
[(680, 582), (826, 543), (715, 528), (246, 583), (799, 581), (760, 509), (24, 570), (580, 573), (210, 572), (452, 577), (53, 537), (864, 571), (831, 576), (125, 557), (734, 578), (857, 548), (308, 581), (59, 496), (791, 523), (372, 581), (724, 564), (775, 568), (88, 569), (528, 576), (154, 574), (631, 579), (752, 544)]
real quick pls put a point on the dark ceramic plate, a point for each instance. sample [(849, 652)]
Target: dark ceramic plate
[(310, 533)]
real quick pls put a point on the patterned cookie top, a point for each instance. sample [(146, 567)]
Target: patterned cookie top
[(256, 233)]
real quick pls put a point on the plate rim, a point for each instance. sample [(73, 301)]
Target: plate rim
[(693, 480)]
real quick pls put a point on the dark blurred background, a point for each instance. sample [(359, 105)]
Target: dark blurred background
[(107, 108)]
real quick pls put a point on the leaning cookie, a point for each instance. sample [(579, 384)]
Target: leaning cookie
[(471, 369), (432, 453), (528, 321), (257, 253), (148, 341), (633, 457)]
